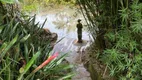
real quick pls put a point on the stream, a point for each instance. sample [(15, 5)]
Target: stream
[(63, 22)]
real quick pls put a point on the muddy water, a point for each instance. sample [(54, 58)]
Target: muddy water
[(63, 22)]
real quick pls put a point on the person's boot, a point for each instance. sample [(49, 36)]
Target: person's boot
[(79, 41)]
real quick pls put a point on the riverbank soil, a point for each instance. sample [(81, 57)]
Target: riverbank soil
[(97, 70)]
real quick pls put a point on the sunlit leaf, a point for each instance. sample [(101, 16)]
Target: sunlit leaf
[(29, 64)]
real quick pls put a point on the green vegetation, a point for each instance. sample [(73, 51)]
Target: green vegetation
[(35, 5), (116, 26), (26, 49)]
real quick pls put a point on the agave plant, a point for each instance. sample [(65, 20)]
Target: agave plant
[(25, 49)]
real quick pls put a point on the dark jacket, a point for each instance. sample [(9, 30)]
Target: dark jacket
[(79, 28)]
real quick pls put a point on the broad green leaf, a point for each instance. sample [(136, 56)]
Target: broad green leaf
[(15, 27), (26, 51), (29, 64), (25, 38), (4, 51)]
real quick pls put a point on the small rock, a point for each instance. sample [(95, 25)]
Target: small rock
[(54, 36), (46, 31)]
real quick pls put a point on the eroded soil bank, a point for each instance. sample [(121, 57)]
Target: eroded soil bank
[(97, 70)]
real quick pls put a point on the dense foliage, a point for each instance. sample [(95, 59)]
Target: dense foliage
[(36, 5), (116, 26), (24, 46)]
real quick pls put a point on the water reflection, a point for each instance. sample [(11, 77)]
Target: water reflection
[(64, 23)]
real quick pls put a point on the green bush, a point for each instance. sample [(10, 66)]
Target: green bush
[(119, 24), (23, 49)]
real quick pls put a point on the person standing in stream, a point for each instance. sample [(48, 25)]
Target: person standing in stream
[(79, 31)]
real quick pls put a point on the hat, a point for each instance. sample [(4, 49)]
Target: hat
[(79, 20)]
